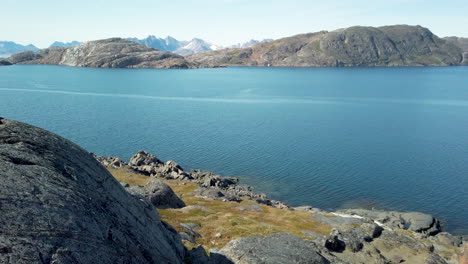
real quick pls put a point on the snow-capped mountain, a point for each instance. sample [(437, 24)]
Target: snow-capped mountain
[(64, 44), (165, 44), (184, 48), (195, 46), (249, 43), (173, 45)]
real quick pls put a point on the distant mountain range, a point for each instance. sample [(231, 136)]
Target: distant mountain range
[(249, 44), (64, 44), (176, 46), (170, 44), (185, 48), (7, 48)]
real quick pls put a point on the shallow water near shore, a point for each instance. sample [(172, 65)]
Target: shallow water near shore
[(391, 138)]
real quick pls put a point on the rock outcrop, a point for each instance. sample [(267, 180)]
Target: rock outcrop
[(274, 249), (399, 45), (159, 194), (59, 205), (5, 63), (413, 221), (106, 53)]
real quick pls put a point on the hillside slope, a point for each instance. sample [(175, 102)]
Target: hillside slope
[(399, 45)]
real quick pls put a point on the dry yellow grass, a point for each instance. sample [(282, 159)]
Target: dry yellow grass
[(223, 217)]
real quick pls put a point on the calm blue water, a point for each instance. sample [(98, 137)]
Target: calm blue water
[(392, 138)]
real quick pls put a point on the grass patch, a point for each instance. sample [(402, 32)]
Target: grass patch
[(222, 222), (128, 176)]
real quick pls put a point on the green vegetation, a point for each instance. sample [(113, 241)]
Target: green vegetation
[(221, 222)]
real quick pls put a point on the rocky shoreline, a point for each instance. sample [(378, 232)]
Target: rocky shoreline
[(352, 228)]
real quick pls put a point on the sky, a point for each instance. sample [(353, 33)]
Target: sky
[(222, 22)]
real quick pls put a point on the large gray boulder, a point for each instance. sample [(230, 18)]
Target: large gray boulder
[(274, 249), (59, 205), (161, 195)]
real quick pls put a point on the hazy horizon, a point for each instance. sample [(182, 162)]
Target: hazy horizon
[(222, 22)]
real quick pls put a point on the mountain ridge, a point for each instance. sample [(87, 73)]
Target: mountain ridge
[(397, 45), (8, 48)]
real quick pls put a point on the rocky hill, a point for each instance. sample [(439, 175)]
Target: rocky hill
[(107, 53), (399, 45)]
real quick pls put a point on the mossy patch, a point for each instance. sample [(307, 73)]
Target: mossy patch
[(221, 222)]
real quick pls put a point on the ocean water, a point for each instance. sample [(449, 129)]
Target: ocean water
[(389, 138)]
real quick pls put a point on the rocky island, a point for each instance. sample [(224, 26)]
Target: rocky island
[(62, 204), (398, 45), (107, 53)]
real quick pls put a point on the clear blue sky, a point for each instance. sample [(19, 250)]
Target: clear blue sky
[(222, 22)]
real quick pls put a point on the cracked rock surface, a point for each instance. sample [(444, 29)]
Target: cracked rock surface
[(59, 205)]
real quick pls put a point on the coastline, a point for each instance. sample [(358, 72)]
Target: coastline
[(343, 225)]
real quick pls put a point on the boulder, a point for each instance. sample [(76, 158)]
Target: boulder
[(189, 230), (274, 249), (59, 205), (161, 195), (216, 194), (352, 239), (413, 221), (221, 182), (172, 170), (142, 158)]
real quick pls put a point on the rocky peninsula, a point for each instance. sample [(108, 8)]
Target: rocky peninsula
[(62, 204), (106, 53), (398, 45)]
